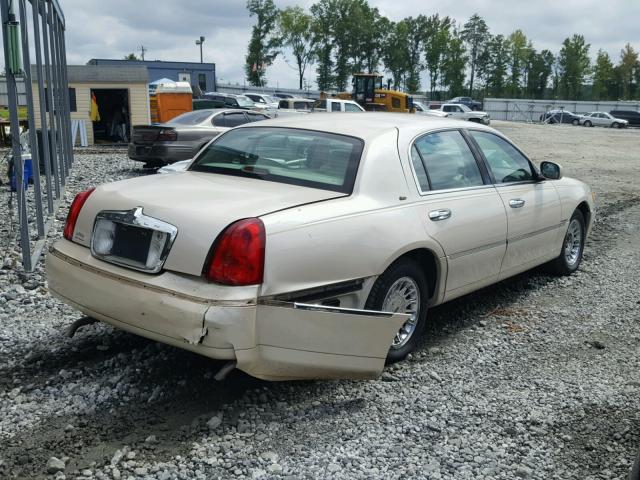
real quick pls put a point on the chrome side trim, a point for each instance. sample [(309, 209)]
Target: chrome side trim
[(136, 218), (478, 249), (325, 308), (524, 236)]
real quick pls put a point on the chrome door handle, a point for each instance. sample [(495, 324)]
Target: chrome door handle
[(516, 203), (436, 215)]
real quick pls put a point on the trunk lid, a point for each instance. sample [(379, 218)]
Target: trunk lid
[(147, 134), (200, 205)]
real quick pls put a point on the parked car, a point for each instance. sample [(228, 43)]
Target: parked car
[(231, 100), (560, 116), (283, 95), (296, 103), (602, 119), (422, 110), (462, 112), (336, 105), (263, 101), (632, 116), (299, 248), (467, 101), (204, 104), (183, 136)]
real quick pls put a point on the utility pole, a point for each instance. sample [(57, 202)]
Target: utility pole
[(142, 50), (200, 42)]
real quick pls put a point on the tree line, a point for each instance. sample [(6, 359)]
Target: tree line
[(342, 37)]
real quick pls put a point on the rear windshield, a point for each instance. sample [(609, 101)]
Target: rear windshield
[(286, 155), (190, 118)]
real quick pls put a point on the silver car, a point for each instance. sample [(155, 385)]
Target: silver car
[(602, 119)]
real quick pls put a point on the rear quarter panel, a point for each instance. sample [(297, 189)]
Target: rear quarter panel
[(350, 237)]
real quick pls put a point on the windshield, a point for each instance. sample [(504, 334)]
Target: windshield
[(464, 107), (190, 118), (286, 155), (244, 101)]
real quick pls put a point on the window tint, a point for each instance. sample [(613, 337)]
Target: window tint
[(234, 119), (320, 104), (418, 167), (218, 120), (283, 104), (335, 107), (449, 161), (190, 118), (447, 108), (256, 117), (506, 163), (350, 107), (286, 155), (302, 105)]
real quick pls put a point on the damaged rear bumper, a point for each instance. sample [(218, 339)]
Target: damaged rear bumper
[(267, 340)]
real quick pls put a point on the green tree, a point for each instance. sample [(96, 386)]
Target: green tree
[(628, 66), (296, 33), (368, 31), (435, 35), (454, 64), (414, 47), (322, 29), (264, 42), (396, 54), (518, 53), (493, 65), (540, 67), (573, 66), (131, 56), (604, 77), (475, 34)]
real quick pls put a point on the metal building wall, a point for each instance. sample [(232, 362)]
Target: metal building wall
[(524, 110)]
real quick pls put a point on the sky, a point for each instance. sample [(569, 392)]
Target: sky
[(168, 29)]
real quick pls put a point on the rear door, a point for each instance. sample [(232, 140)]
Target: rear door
[(460, 209), (532, 206), (294, 341)]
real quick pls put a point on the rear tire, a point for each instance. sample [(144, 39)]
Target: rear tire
[(398, 289), (575, 122), (572, 247)]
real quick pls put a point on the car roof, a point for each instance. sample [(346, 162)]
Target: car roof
[(368, 125)]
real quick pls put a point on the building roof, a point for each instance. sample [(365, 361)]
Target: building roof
[(154, 63), (103, 74)]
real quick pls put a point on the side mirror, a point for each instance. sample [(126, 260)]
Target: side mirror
[(551, 171)]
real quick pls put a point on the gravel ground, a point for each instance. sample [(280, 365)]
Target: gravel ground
[(536, 378)]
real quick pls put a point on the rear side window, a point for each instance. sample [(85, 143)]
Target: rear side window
[(234, 119), (283, 104), (448, 160), (335, 107), (302, 105), (286, 155), (506, 163), (418, 168), (256, 117)]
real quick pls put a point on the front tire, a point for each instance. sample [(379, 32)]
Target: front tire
[(572, 246), (403, 287), (575, 122), (588, 124), (615, 125)]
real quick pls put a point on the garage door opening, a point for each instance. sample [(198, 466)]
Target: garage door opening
[(112, 121)]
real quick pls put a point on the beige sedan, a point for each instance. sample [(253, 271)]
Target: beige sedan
[(313, 247)]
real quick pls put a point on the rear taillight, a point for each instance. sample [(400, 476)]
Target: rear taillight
[(167, 135), (74, 211), (238, 254)]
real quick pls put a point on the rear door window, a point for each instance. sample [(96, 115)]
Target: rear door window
[(448, 160), (234, 119), (506, 163), (335, 107)]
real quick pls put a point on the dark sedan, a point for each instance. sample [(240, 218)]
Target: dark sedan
[(632, 116), (182, 137), (560, 116), (468, 101)]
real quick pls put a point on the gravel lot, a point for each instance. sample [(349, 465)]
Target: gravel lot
[(537, 377)]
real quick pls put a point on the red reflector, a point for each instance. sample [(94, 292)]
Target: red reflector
[(74, 211), (238, 254)]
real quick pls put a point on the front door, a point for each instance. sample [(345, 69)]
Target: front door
[(532, 206), (460, 210)]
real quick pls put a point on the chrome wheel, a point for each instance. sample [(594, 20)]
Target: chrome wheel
[(403, 296), (573, 242)]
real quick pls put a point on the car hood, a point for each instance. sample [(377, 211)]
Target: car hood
[(200, 205)]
